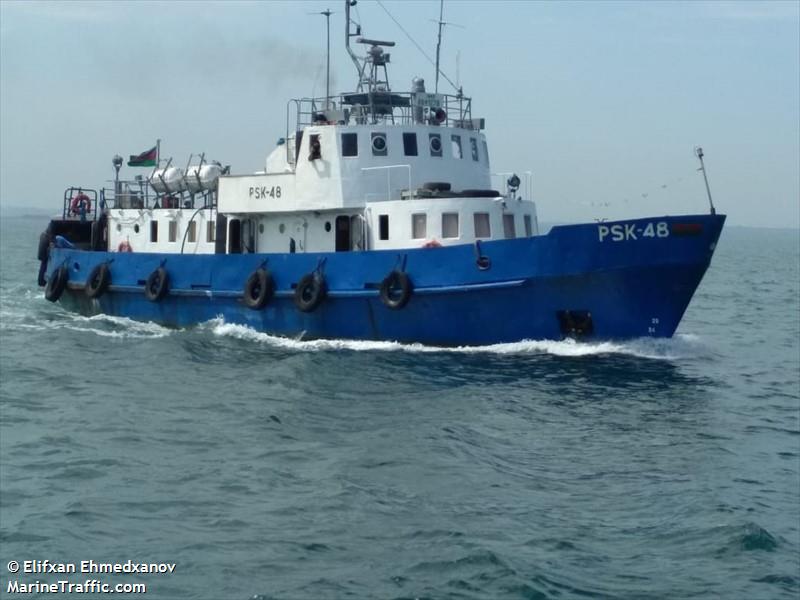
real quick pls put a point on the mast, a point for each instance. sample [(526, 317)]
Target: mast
[(439, 44), (348, 35), (699, 152), (327, 14)]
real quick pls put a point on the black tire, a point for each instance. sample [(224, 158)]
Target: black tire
[(258, 289), (43, 252), (396, 290), (56, 283), (157, 285), (436, 186), (481, 193), (98, 281), (310, 292)]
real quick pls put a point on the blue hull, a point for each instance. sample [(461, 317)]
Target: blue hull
[(634, 278)]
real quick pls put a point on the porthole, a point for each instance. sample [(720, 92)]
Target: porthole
[(327, 226), (436, 145), (136, 228), (281, 227), (379, 144)]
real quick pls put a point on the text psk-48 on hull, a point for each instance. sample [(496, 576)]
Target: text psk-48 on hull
[(374, 218)]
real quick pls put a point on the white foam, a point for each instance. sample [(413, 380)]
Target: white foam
[(681, 346)]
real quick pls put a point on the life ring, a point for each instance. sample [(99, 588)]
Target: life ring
[(310, 292), (258, 289), (98, 281), (396, 290), (124, 246), (56, 283), (157, 285), (78, 202)]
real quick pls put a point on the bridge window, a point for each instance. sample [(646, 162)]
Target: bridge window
[(482, 227), (410, 144), (383, 227), (435, 144), (349, 144), (508, 227), (456, 144), (153, 231), (419, 226), (173, 231), (378, 144), (474, 144), (528, 228), (450, 225)]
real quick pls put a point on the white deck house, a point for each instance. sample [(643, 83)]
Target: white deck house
[(368, 170)]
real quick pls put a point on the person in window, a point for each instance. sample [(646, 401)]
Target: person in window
[(316, 149)]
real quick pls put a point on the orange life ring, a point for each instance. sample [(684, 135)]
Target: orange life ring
[(78, 201), (124, 246)]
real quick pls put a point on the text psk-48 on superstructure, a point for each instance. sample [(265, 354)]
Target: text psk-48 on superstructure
[(373, 218)]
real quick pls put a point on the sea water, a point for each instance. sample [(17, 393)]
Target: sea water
[(271, 468)]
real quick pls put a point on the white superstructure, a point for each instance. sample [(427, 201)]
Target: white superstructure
[(373, 169)]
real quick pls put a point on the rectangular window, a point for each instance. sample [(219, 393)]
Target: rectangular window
[(192, 232), (435, 141), (450, 225), (486, 152), (173, 231), (153, 231), (314, 147), (419, 226), (528, 228), (508, 227), (410, 144), (378, 144), (211, 231), (456, 144), (383, 227), (349, 144), (482, 227), (474, 144)]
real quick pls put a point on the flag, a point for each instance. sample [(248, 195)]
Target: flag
[(145, 159)]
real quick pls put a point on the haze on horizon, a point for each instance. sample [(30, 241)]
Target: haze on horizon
[(603, 102)]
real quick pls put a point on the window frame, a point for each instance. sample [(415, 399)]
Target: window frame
[(374, 135), (435, 153), (455, 142), (458, 226), (414, 217), (346, 145), (475, 217), (383, 227), (409, 139), (508, 218)]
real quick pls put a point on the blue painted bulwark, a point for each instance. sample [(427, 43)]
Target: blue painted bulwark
[(603, 280)]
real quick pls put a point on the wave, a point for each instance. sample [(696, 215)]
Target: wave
[(680, 347), (101, 325)]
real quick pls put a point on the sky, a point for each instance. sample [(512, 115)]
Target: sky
[(602, 102)]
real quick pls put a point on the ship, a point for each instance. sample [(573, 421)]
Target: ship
[(374, 218)]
